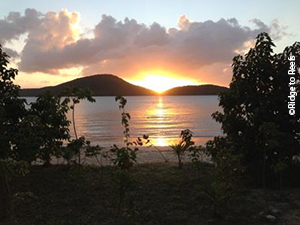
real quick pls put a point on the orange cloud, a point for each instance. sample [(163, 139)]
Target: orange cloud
[(198, 51)]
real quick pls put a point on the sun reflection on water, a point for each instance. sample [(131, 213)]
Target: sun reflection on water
[(159, 118), (161, 141)]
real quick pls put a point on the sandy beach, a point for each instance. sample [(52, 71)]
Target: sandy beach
[(144, 155)]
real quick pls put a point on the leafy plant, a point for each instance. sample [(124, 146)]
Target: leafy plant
[(12, 108), (74, 95), (73, 149), (196, 154), (269, 136), (124, 158), (54, 125), (27, 140), (184, 145), (259, 93), (95, 152), (224, 183)]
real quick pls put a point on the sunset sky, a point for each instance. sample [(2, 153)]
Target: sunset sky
[(149, 43)]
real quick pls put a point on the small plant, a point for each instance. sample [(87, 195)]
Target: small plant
[(196, 154), (225, 181), (97, 153), (124, 158), (73, 149), (75, 95), (184, 145)]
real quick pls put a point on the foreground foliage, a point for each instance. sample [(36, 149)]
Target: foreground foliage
[(257, 98)]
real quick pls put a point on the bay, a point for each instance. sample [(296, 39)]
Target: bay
[(160, 117)]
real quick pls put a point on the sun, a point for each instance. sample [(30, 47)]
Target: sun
[(160, 83)]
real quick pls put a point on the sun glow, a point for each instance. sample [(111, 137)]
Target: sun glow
[(161, 82)]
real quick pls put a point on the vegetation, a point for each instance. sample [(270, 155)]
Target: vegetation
[(165, 195), (53, 127), (32, 132), (184, 145), (12, 108), (124, 158), (225, 181), (74, 95), (258, 94), (260, 144)]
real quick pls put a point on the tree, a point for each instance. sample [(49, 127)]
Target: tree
[(54, 125), (258, 94), (19, 131), (12, 108), (27, 140), (28, 133)]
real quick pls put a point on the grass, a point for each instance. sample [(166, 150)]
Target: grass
[(164, 195)]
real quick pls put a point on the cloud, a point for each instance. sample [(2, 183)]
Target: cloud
[(12, 53), (127, 47), (12, 26)]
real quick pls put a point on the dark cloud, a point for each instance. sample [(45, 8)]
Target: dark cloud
[(125, 47), (12, 26), (12, 53)]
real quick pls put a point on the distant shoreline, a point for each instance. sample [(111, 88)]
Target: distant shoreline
[(111, 85), (129, 95)]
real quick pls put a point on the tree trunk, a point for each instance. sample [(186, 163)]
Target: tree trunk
[(75, 132), (179, 162)]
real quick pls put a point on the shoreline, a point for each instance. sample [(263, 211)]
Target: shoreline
[(145, 155)]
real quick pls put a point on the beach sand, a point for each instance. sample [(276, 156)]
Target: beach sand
[(144, 155)]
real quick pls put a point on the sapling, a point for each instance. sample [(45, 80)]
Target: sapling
[(95, 152), (184, 145), (74, 95), (124, 158), (225, 180)]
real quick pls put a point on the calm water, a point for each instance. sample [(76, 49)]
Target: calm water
[(161, 117)]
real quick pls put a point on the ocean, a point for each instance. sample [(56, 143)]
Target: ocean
[(160, 117)]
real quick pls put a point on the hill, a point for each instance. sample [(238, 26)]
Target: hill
[(110, 85), (207, 89), (101, 85)]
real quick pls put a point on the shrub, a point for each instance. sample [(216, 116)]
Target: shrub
[(226, 179), (184, 145), (259, 93)]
